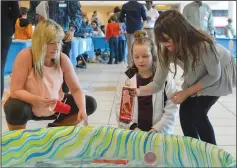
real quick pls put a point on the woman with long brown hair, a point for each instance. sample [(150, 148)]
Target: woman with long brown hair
[(209, 72)]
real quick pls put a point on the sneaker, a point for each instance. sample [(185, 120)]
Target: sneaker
[(81, 66), (51, 125)]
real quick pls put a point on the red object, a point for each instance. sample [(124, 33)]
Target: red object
[(150, 158), (126, 108), (123, 162), (112, 30), (62, 107)]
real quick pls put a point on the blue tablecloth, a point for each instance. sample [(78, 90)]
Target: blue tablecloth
[(15, 48), (225, 43), (79, 46), (100, 43)]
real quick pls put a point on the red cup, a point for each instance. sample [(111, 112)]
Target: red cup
[(61, 107)]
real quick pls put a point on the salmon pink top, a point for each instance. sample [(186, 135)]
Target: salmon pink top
[(50, 86)]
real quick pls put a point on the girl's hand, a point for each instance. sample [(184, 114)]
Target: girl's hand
[(153, 130), (179, 97), (137, 92), (137, 129), (82, 116)]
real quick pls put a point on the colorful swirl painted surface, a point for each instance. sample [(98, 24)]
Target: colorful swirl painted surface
[(88, 143)]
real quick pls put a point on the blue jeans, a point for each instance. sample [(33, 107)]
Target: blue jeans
[(113, 47), (122, 48)]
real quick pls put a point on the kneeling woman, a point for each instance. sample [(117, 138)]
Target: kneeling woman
[(37, 79), (155, 113)]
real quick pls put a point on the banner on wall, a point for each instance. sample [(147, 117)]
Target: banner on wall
[(162, 7)]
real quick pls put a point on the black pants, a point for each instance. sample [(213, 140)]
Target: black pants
[(122, 48), (113, 47), (5, 45), (194, 120), (66, 50), (19, 112)]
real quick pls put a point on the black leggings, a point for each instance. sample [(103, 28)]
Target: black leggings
[(194, 120), (5, 45), (19, 112)]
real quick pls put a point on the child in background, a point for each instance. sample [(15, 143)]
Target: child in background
[(97, 32), (112, 36), (154, 113), (122, 43), (23, 28), (85, 29)]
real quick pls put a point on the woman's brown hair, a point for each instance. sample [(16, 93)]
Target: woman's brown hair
[(140, 39), (186, 39)]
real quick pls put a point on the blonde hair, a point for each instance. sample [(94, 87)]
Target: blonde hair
[(139, 34), (46, 31), (140, 38)]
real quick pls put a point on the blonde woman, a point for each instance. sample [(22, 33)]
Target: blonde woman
[(37, 80)]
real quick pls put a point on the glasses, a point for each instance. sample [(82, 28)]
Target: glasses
[(164, 39)]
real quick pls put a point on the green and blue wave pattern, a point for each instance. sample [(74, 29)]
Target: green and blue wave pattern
[(88, 143)]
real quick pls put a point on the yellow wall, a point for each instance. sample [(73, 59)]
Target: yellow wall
[(102, 12), (24, 4)]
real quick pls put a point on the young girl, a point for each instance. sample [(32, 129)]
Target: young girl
[(38, 83), (209, 72), (155, 113)]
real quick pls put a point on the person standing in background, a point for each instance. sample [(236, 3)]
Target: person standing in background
[(116, 13), (122, 42), (122, 33), (85, 29), (23, 28), (152, 15), (229, 30), (96, 18), (9, 14), (112, 37), (68, 15), (31, 14), (134, 13), (199, 14)]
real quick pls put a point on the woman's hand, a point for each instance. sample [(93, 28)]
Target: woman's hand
[(69, 36), (40, 101), (137, 129), (82, 116), (179, 97)]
